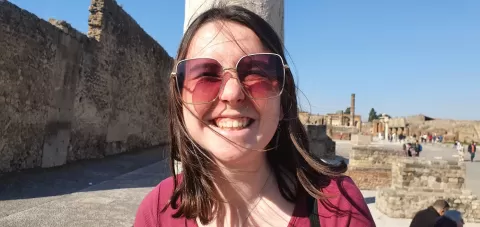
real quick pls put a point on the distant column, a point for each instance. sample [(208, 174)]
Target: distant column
[(270, 10), (352, 111)]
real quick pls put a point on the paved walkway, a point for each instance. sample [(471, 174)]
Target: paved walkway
[(99, 193), (103, 193)]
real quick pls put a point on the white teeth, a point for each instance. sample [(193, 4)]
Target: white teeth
[(237, 123)]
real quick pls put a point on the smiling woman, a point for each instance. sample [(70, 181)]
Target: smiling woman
[(234, 126)]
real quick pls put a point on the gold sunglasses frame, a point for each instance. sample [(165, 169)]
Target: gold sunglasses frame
[(173, 75)]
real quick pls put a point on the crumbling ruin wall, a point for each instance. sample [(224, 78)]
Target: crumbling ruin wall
[(417, 183), (65, 96), (342, 132), (463, 130), (434, 176), (371, 166), (320, 144)]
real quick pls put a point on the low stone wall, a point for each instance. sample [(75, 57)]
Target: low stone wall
[(400, 203), (340, 136), (341, 132), (373, 157), (371, 166), (433, 176), (359, 139), (320, 144), (370, 179), (417, 183)]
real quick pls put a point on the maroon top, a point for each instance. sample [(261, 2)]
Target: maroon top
[(149, 212)]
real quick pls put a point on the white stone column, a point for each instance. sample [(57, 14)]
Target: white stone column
[(386, 131), (270, 10), (385, 120)]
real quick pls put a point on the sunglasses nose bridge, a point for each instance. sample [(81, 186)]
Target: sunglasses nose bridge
[(232, 73)]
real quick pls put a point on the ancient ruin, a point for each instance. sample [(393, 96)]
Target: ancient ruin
[(370, 166), (68, 96), (334, 119), (417, 183), (450, 130), (321, 145), (340, 126)]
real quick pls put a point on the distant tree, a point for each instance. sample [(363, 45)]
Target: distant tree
[(372, 115), (347, 111)]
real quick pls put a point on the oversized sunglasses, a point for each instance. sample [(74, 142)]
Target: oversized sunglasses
[(262, 76)]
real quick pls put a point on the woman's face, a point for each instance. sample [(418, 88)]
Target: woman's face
[(249, 124)]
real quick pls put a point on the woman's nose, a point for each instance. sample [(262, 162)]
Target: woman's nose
[(232, 91)]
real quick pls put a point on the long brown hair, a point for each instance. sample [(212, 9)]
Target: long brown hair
[(195, 195)]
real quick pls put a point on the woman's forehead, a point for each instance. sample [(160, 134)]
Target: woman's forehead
[(226, 42)]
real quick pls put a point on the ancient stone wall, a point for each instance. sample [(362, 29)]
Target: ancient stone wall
[(359, 139), (436, 175), (311, 119), (417, 183), (320, 144), (341, 132), (371, 166), (65, 96), (465, 131), (373, 157)]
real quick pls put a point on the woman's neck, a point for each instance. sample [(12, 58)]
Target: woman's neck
[(244, 183), (250, 196)]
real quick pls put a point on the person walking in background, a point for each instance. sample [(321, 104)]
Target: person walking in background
[(417, 148), (428, 217), (472, 148)]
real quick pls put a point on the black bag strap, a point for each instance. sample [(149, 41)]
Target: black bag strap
[(312, 206)]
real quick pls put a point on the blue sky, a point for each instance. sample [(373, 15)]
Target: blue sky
[(401, 57)]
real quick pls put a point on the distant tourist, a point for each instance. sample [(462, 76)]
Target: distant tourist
[(412, 150), (451, 218), (428, 217), (472, 148), (424, 138), (417, 148)]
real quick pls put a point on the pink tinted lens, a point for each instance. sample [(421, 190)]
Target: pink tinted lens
[(262, 75), (199, 80)]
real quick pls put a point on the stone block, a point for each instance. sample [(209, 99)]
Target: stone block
[(417, 183), (400, 203), (358, 139), (320, 144), (424, 174), (370, 179), (375, 157)]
